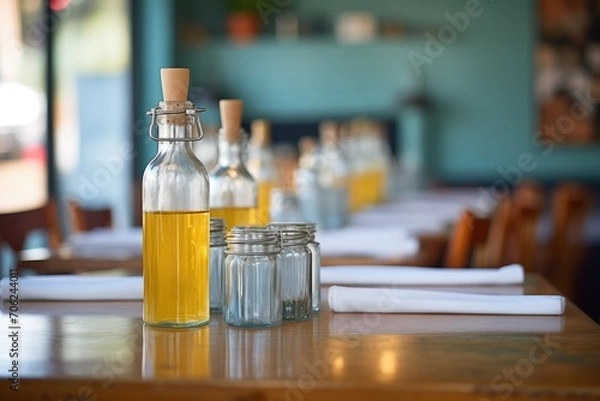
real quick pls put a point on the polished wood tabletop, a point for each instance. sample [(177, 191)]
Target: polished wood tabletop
[(64, 261), (103, 351)]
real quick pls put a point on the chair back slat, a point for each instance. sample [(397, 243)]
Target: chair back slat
[(469, 235), (15, 227)]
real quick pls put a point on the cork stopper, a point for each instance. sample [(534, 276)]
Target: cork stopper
[(261, 133), (307, 144), (328, 132), (175, 83), (231, 118)]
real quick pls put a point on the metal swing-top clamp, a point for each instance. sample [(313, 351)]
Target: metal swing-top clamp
[(159, 111)]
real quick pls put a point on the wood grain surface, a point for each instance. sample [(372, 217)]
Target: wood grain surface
[(103, 351)]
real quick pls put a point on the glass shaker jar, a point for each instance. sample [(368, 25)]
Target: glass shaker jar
[(217, 260), (252, 283), (315, 257), (175, 213), (296, 275)]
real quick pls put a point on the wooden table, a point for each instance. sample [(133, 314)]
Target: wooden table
[(54, 263), (43, 261), (102, 351)]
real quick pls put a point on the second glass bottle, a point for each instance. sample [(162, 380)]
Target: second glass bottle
[(233, 191)]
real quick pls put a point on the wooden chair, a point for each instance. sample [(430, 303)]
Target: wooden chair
[(522, 241), (85, 219), (571, 205), (14, 227), (495, 251), (469, 236), (513, 229)]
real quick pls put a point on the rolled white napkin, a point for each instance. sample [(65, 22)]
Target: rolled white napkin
[(75, 288), (388, 300), (400, 275)]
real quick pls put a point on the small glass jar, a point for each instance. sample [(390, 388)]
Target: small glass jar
[(315, 258), (252, 282), (217, 263), (315, 266), (296, 277)]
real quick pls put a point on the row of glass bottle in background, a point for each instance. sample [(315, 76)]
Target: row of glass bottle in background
[(262, 275), (343, 170)]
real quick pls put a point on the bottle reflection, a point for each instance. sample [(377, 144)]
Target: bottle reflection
[(253, 354), (286, 352), (176, 353)]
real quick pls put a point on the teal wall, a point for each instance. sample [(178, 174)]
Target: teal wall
[(154, 48), (481, 86)]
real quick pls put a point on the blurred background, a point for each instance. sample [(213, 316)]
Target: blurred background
[(465, 93)]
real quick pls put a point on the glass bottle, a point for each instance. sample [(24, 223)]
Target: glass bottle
[(296, 277), (351, 149), (175, 214), (384, 161), (306, 182), (217, 260), (233, 191), (315, 257), (284, 205), (261, 165), (333, 177), (252, 285), (370, 155)]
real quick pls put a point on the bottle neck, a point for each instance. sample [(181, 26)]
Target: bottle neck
[(167, 146), (231, 152), (177, 130)]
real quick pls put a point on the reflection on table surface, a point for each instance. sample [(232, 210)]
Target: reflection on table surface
[(108, 343)]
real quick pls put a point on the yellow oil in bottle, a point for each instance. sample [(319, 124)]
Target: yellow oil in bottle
[(263, 214), (354, 194), (176, 251), (359, 187), (372, 187), (235, 216)]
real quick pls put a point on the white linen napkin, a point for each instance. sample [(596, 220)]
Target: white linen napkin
[(389, 300), (400, 275), (99, 242), (75, 288), (382, 242), (412, 223)]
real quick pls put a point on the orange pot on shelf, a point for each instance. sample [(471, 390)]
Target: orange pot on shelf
[(243, 26)]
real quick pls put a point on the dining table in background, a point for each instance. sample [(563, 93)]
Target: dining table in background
[(387, 234), (103, 351)]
